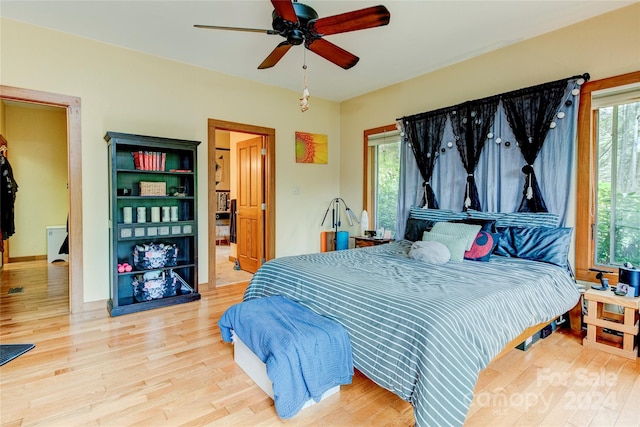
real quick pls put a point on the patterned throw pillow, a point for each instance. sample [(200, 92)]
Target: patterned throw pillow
[(518, 219), (455, 244), (528, 219), (483, 246), (468, 232), (435, 214)]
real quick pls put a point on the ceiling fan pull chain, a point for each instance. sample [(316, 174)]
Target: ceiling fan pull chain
[(304, 101)]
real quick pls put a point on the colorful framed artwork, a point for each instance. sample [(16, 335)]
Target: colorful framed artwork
[(312, 148)]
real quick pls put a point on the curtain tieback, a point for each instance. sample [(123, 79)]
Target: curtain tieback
[(528, 169), (426, 196), (467, 200)]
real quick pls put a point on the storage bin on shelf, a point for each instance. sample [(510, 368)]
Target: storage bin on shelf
[(151, 256), (150, 188), (155, 285)]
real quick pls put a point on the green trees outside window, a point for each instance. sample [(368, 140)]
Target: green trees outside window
[(618, 191), (387, 174)]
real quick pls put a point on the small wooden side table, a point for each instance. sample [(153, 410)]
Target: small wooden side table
[(598, 319), (362, 241)]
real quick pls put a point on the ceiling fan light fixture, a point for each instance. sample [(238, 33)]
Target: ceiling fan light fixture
[(295, 37)]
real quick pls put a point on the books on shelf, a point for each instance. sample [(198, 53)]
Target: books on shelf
[(149, 160)]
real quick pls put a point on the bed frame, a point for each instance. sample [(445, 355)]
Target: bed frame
[(575, 323)]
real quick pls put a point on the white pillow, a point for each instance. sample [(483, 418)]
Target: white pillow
[(455, 244), (430, 252), (466, 231)]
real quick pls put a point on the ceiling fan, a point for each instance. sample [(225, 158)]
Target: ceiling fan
[(299, 23)]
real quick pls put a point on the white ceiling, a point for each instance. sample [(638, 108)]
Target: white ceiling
[(422, 36)]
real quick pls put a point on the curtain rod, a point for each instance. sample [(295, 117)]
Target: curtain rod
[(522, 91)]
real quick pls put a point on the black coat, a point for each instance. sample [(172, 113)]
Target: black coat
[(8, 190)]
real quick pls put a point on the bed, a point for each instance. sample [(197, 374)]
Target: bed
[(420, 330)]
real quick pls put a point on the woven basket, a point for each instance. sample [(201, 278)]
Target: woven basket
[(148, 188)]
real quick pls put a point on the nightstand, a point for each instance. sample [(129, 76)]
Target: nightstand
[(363, 242), (612, 332)]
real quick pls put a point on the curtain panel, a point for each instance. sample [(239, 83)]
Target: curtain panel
[(471, 122), (530, 113), (425, 133), (497, 153)]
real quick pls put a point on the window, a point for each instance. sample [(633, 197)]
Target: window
[(608, 224), (617, 120), (382, 163)]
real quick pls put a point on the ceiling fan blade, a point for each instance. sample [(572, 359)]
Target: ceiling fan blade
[(275, 55), (333, 53), (284, 9), (369, 17), (251, 30)]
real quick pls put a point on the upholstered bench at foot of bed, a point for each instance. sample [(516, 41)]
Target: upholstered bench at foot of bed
[(294, 355), (257, 370)]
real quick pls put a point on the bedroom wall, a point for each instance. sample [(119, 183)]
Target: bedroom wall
[(603, 46), (126, 91)]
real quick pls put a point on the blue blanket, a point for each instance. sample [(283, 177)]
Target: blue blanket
[(305, 354)]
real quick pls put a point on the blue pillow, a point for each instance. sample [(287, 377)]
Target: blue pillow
[(518, 219), (415, 228), (435, 214), (544, 244)]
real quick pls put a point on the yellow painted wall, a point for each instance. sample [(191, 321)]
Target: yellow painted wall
[(603, 46), (38, 140), (126, 91)]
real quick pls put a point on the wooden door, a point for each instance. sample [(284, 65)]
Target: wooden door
[(249, 205)]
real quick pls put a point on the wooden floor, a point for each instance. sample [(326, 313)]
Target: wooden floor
[(169, 367)]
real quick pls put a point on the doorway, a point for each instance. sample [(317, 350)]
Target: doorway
[(74, 178), (267, 186)]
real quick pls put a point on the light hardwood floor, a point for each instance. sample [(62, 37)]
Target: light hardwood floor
[(169, 367)]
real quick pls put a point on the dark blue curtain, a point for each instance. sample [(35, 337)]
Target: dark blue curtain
[(424, 132), (530, 113), (471, 122), (498, 173)]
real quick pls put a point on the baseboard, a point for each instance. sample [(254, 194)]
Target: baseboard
[(94, 306), (27, 258)]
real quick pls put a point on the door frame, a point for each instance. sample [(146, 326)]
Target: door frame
[(74, 174), (269, 182)]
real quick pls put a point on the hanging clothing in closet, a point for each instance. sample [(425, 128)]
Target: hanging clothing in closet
[(64, 248), (232, 221), (8, 190)]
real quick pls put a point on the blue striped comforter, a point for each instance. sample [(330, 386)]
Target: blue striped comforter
[(422, 331)]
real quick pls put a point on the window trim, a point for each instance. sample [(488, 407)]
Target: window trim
[(368, 171), (586, 177)]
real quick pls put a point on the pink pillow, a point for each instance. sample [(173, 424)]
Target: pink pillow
[(482, 246)]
